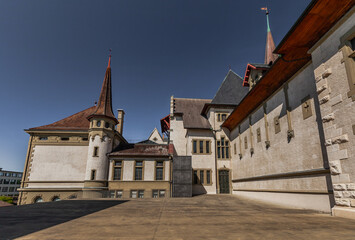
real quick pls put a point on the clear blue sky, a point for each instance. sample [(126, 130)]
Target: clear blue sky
[(53, 57)]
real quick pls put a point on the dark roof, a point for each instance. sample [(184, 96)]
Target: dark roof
[(139, 149), (104, 105), (78, 121), (231, 90), (191, 112)]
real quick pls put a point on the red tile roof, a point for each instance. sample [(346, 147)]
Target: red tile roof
[(78, 121), (147, 150)]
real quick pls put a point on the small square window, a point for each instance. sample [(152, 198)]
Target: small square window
[(141, 194), (155, 194), (139, 163), (96, 152), (118, 163), (119, 194), (133, 193), (161, 193)]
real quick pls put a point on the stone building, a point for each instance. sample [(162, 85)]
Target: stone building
[(69, 158), (295, 128)]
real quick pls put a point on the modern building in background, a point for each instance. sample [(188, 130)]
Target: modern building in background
[(10, 181)]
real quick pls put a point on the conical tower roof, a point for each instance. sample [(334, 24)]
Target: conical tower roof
[(104, 105)]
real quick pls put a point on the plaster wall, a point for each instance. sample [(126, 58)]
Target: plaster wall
[(128, 168), (58, 163), (149, 170), (177, 135)]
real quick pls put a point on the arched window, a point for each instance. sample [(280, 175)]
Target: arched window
[(38, 199), (56, 199)]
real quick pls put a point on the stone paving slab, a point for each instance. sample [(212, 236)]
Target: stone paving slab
[(202, 217)]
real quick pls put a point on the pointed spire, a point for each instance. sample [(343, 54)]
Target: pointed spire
[(104, 105), (270, 57)]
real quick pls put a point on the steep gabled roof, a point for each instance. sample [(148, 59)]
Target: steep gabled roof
[(191, 112), (77, 121), (231, 90)]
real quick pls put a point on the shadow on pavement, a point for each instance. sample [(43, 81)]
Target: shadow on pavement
[(17, 221)]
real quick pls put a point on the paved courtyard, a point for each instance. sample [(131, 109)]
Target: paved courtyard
[(202, 217)]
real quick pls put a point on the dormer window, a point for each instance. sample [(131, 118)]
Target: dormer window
[(98, 123), (107, 125), (221, 117), (64, 139)]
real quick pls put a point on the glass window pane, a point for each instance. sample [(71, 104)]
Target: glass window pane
[(140, 163), (218, 143), (112, 194), (155, 194), (227, 152), (160, 164), (207, 146), (224, 117), (208, 177), (202, 177), (194, 146), (223, 152), (162, 193), (133, 194), (201, 146), (119, 194), (222, 141), (138, 174), (141, 194), (117, 173), (118, 163), (159, 173), (219, 152)]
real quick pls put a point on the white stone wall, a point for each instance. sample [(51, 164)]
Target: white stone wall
[(338, 112), (58, 163), (128, 168), (285, 155)]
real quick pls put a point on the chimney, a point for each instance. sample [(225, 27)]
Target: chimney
[(120, 118)]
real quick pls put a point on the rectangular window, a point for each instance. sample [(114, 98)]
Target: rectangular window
[(194, 146), (155, 193), (11, 189), (201, 146), (1, 180), (159, 170), (7, 174), (14, 174), (19, 175), (161, 193), (223, 149), (117, 170), (96, 152), (208, 176), (207, 146), (93, 174), (18, 182), (138, 172), (1, 174), (202, 177), (133, 193), (13, 181), (112, 194), (235, 148), (4, 189), (141, 194), (221, 117), (119, 194), (6, 181)]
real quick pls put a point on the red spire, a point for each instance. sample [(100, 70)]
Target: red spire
[(104, 105)]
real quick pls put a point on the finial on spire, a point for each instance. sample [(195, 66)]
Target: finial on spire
[(267, 17), (109, 59)]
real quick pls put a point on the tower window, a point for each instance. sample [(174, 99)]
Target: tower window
[(96, 152), (107, 125), (98, 123), (93, 175)]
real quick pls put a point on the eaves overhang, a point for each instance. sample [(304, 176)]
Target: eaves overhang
[(316, 20)]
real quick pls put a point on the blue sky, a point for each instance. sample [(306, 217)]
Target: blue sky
[(53, 57)]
